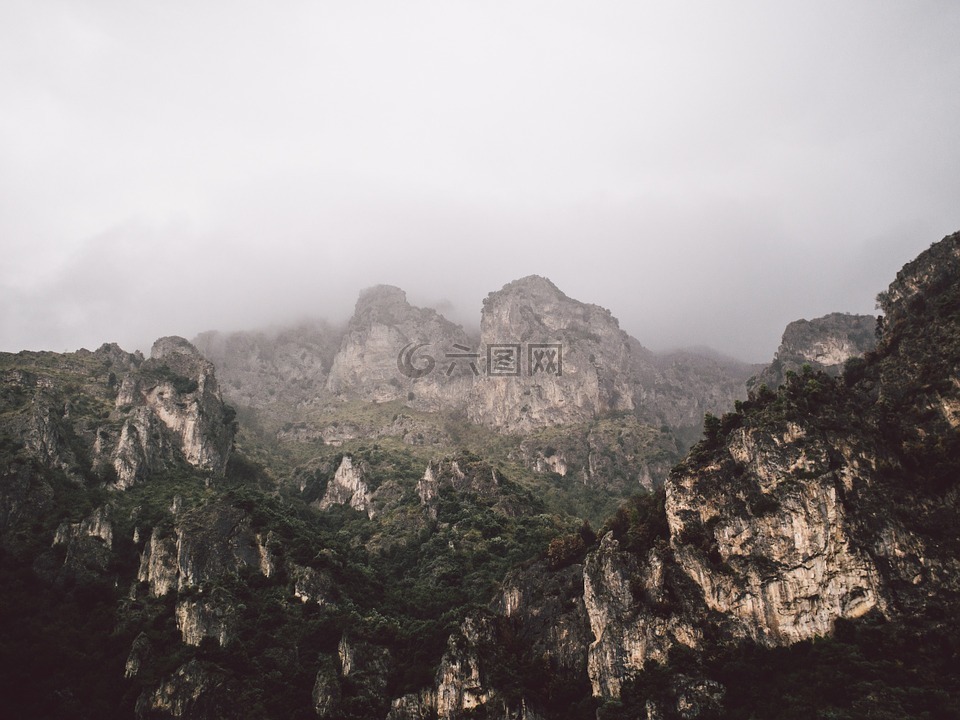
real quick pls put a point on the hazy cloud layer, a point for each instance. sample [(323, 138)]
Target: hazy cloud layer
[(708, 171)]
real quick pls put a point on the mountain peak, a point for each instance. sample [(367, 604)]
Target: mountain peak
[(382, 294), (172, 346)]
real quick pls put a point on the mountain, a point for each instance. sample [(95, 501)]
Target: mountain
[(338, 549), (825, 509), (543, 361), (272, 368), (824, 343)]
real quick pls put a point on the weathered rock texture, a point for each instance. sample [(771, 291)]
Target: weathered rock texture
[(776, 526), (369, 364), (824, 343), (204, 545), (173, 401), (572, 361), (348, 488), (597, 368)]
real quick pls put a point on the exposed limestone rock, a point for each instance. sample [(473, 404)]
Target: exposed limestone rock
[(142, 448), (824, 343), (348, 488), (575, 364), (139, 656), (171, 402), (198, 618), (571, 359), (158, 563), (627, 632), (311, 585), (191, 692), (203, 545), (460, 680), (392, 351), (415, 706), (383, 325), (265, 546), (96, 525), (790, 567)]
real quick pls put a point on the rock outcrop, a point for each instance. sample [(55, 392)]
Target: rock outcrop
[(549, 359), (172, 401), (552, 360), (348, 487), (824, 343), (204, 545), (543, 359), (381, 356), (776, 527)]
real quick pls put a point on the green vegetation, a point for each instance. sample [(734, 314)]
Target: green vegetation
[(870, 668)]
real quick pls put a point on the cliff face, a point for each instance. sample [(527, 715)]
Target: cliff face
[(574, 364), (172, 403), (827, 501), (564, 361), (824, 343), (112, 415), (369, 363), (543, 360), (161, 573)]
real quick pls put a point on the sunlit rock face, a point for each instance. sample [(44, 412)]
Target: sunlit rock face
[(173, 408), (348, 488), (371, 363), (767, 538), (824, 343), (776, 526)]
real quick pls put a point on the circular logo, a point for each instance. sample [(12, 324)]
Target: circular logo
[(405, 361)]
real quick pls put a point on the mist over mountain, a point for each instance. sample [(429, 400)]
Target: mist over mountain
[(479, 361), (697, 170), (318, 521)]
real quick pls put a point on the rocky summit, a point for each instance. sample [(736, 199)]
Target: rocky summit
[(824, 343), (395, 519)]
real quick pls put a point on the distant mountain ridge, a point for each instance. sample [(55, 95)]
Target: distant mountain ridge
[(824, 343), (596, 368), (340, 553)]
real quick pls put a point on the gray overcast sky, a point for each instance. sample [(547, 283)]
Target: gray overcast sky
[(709, 171)]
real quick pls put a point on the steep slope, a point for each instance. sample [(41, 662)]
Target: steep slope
[(824, 343), (563, 361), (802, 560), (369, 364), (826, 508), (543, 359), (203, 585)]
